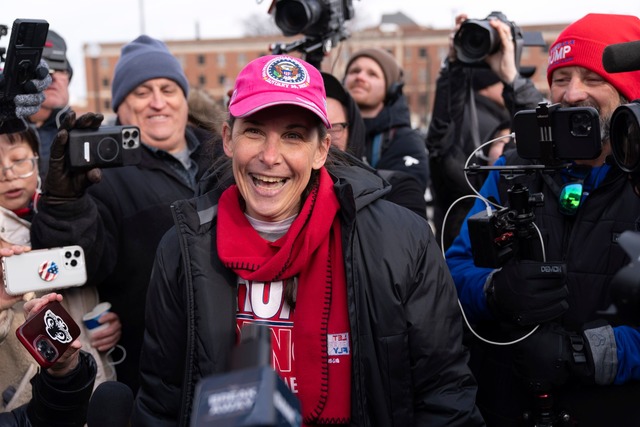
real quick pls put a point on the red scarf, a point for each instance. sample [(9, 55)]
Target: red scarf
[(311, 250)]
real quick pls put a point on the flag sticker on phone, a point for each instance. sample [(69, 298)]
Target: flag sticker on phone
[(48, 271)]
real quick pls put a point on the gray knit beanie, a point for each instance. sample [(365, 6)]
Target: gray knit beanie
[(144, 59), (390, 68)]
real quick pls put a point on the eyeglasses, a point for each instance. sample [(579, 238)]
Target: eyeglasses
[(570, 198), (337, 129), (59, 72), (21, 169)]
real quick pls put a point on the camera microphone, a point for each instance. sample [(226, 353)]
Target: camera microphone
[(110, 405), (621, 57), (251, 394)]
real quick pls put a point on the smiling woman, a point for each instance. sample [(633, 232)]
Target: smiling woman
[(269, 242)]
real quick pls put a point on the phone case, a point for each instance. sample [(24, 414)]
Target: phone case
[(48, 334), (28, 37), (44, 269)]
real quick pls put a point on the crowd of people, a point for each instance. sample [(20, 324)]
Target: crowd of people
[(300, 206)]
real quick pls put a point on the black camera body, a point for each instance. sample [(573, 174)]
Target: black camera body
[(552, 133), (313, 18), (322, 22), (105, 147), (476, 39)]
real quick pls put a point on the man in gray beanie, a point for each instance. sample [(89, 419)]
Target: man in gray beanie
[(120, 220), (374, 79)]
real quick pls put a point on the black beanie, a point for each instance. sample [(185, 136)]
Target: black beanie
[(144, 59)]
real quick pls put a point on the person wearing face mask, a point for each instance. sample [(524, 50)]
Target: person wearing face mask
[(581, 364)]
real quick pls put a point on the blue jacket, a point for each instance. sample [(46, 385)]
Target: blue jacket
[(617, 209)]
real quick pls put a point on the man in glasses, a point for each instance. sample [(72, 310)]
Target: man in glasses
[(580, 365), (56, 103)]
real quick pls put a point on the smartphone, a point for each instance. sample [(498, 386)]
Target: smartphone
[(28, 37), (575, 133), (48, 333), (44, 269), (107, 146)]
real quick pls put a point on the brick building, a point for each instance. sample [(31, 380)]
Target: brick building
[(212, 64)]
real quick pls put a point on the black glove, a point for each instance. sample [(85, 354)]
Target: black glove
[(63, 184), (552, 357), (528, 292), (27, 103)]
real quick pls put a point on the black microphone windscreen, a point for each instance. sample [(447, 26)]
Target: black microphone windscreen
[(110, 405), (621, 57)]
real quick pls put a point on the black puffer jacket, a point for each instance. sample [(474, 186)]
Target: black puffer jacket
[(409, 366), (402, 148)]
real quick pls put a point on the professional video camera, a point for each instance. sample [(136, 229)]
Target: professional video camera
[(476, 39), (320, 21), (553, 136), (625, 146)]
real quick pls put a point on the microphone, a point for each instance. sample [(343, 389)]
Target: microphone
[(621, 57), (110, 405), (251, 394)]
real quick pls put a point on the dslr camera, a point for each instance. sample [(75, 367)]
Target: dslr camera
[(313, 18), (476, 39), (105, 147)]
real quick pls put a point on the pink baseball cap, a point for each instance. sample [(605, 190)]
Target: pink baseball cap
[(279, 80)]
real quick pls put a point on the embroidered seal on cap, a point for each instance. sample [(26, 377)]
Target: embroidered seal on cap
[(285, 71)]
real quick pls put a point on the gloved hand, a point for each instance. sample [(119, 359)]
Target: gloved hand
[(528, 292), (63, 184), (552, 357), (27, 103)]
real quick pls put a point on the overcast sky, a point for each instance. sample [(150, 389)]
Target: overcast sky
[(87, 21)]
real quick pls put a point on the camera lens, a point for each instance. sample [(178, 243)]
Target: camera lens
[(475, 40), (625, 137), (126, 134), (134, 134), (76, 253), (108, 149), (45, 349), (580, 124), (73, 262), (67, 254), (295, 16)]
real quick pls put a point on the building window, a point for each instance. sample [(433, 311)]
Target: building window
[(222, 60), (107, 104), (222, 79), (105, 83), (242, 59), (201, 59), (202, 80), (422, 52)]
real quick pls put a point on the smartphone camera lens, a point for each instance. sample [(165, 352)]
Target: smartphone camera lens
[(580, 124), (67, 254), (45, 349), (76, 254)]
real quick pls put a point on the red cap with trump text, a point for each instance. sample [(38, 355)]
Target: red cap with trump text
[(581, 45)]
